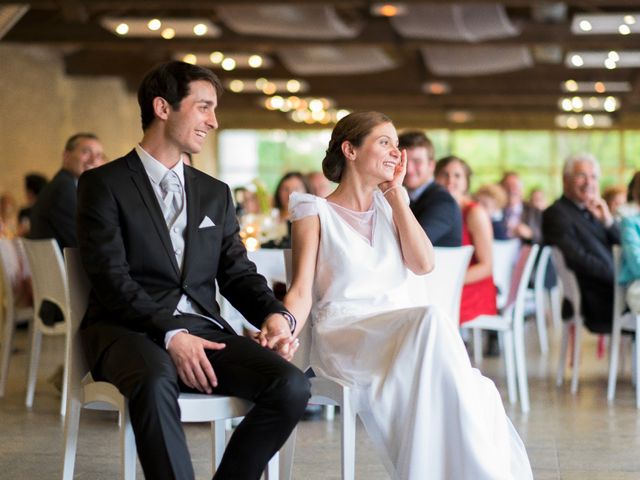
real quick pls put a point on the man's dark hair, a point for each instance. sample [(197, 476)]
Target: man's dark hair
[(171, 81), (34, 183), (73, 140), (414, 139)]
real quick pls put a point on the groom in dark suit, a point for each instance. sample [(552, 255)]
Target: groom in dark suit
[(434, 207), (580, 225), (154, 235)]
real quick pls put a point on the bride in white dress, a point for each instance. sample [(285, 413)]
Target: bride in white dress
[(428, 412)]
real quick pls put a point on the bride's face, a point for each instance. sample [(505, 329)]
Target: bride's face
[(378, 155)]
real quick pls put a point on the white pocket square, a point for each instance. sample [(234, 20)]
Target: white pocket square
[(206, 222)]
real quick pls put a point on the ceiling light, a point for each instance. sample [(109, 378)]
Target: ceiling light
[(293, 86), (577, 60), (572, 123), (315, 105), (200, 29), (597, 59), (577, 104), (154, 24), (599, 87), (571, 86), (168, 33), (609, 63), (216, 57), (613, 55), (624, 29), (585, 26), (236, 86), (122, 29), (588, 121), (436, 88), (566, 104), (269, 88), (629, 19), (277, 102), (190, 58), (459, 116), (342, 113), (610, 104), (228, 64), (255, 61), (390, 9)]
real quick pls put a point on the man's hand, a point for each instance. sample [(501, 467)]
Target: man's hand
[(276, 335), (194, 368), (600, 210)]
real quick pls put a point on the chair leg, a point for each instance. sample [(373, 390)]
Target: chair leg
[(521, 368), (219, 439), (556, 307), (7, 346), (507, 339), (272, 472), (637, 361), (329, 412), (562, 362), (34, 359), (477, 345), (286, 456), (71, 427), (65, 376), (128, 451), (348, 452), (541, 321), (577, 346), (614, 355)]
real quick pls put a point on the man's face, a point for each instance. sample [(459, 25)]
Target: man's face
[(513, 186), (581, 185), (188, 126), (419, 167), (87, 153)]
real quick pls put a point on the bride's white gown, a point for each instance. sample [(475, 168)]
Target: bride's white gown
[(430, 414)]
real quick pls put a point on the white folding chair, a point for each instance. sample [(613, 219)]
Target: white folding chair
[(631, 322), (444, 284), (571, 291), (323, 392), (505, 254), (49, 283), (510, 325), (11, 314), (84, 392)]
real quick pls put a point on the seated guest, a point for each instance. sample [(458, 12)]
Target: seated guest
[(54, 213), (435, 209), (493, 198), (616, 197), (319, 185), (479, 292), (289, 183), (580, 225), (630, 265), (523, 221), (153, 327), (537, 199), (33, 185)]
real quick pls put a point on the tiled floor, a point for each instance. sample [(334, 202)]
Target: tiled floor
[(567, 437)]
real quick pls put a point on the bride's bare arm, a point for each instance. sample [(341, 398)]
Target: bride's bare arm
[(305, 240), (417, 250)]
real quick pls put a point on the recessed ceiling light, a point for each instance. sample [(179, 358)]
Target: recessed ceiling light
[(585, 26), (293, 86), (566, 104), (599, 87), (216, 57), (153, 28), (577, 104), (390, 9), (610, 104), (255, 61), (269, 88), (200, 29), (436, 88), (154, 24), (588, 121), (168, 33), (572, 123), (577, 60), (629, 19), (609, 63), (571, 86), (624, 29), (228, 64), (613, 55), (236, 86), (122, 29), (190, 58), (459, 116)]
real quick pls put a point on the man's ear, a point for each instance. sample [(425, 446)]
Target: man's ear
[(348, 151), (161, 108)]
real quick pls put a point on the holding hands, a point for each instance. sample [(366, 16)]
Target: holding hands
[(276, 335)]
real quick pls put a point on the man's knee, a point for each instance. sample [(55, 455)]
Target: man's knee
[(294, 390), (156, 388)]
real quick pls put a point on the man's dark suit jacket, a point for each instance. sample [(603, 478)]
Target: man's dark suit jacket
[(126, 250), (54, 213), (439, 215), (586, 246)]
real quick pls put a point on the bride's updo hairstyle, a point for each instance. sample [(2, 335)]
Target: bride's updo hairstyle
[(353, 128)]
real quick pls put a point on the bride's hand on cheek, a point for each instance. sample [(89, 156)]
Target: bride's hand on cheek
[(398, 174)]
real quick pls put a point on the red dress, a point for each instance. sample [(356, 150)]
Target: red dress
[(478, 298)]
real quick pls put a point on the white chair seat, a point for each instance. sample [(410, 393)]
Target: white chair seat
[(489, 322)]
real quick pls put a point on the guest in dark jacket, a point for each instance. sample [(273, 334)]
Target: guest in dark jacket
[(581, 225), (436, 210)]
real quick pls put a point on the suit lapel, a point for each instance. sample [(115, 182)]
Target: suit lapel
[(143, 184), (193, 217)]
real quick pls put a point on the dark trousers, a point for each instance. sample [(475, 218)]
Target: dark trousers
[(144, 372)]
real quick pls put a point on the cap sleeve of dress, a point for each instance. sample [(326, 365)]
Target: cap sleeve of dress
[(302, 205)]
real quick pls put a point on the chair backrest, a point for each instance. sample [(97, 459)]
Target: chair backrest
[(505, 254), (568, 280), (270, 264), (619, 301), (79, 288), (9, 268), (47, 273), (520, 281), (444, 284), (541, 267)]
